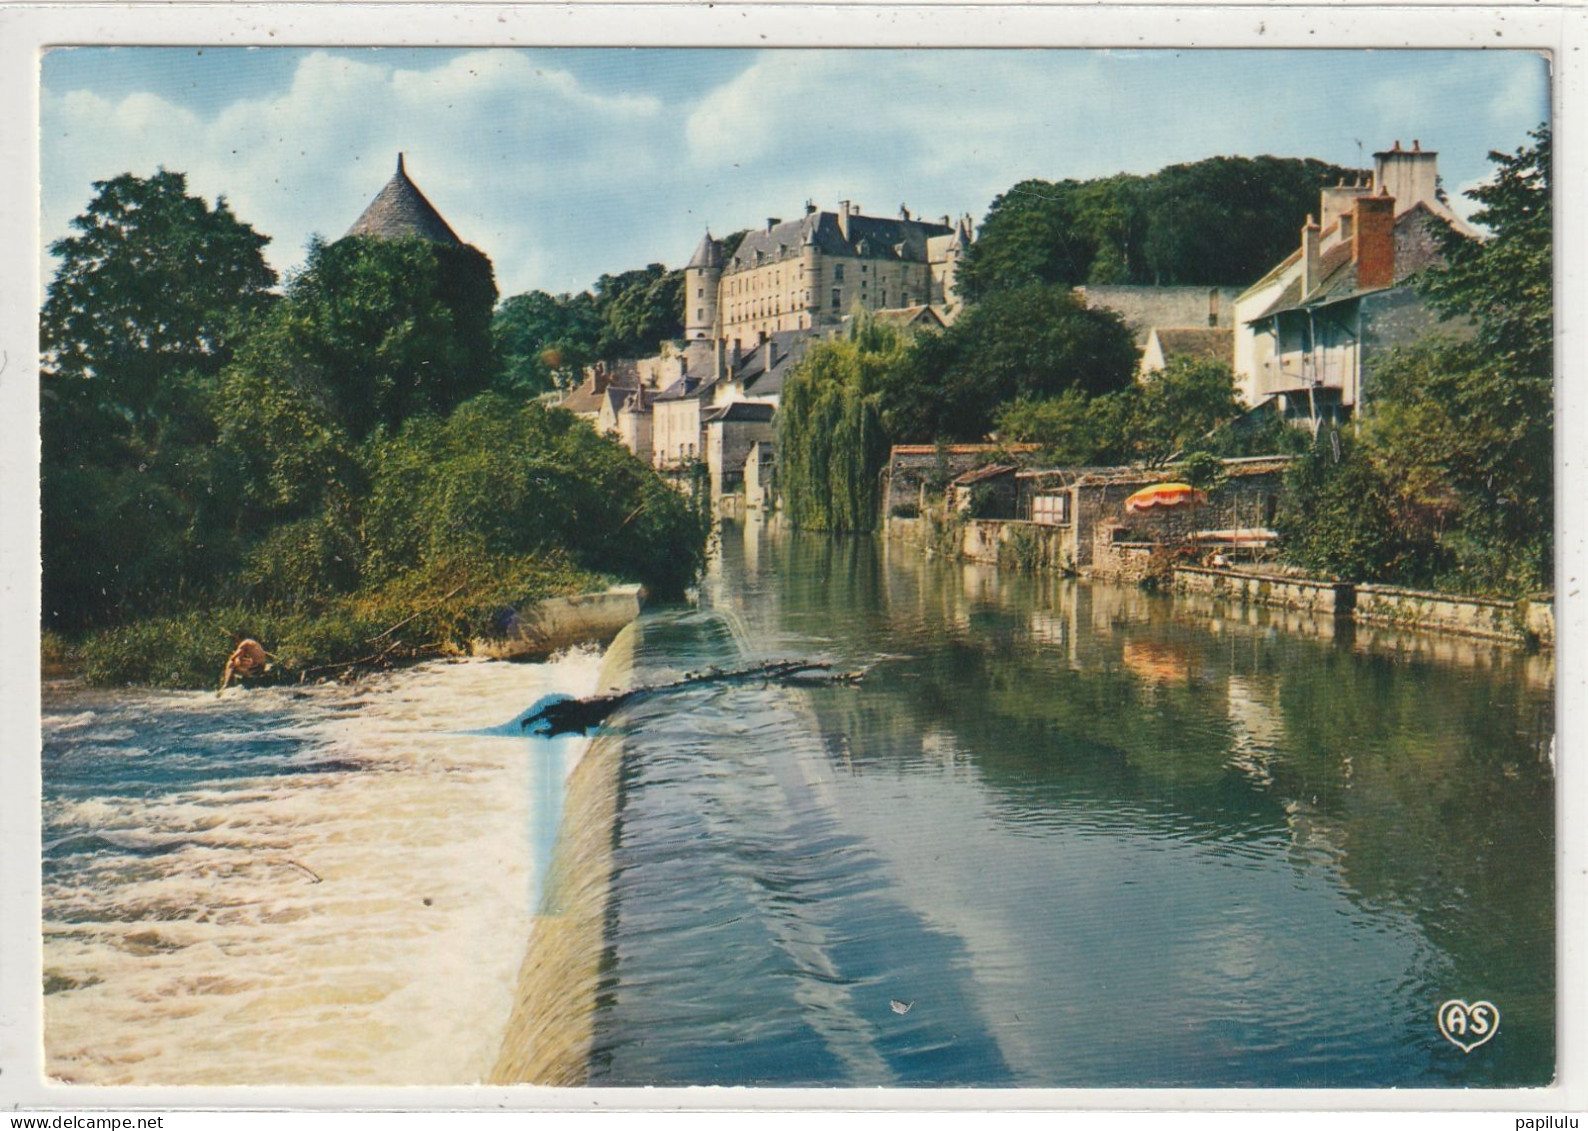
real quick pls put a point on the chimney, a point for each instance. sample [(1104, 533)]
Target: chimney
[(718, 360), (1411, 176), (599, 378), (810, 207), (843, 219), (772, 222), (1373, 245), (736, 354), (1335, 206), (1309, 256), (944, 220)]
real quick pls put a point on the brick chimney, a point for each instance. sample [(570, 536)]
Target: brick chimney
[(1309, 256), (1373, 244)]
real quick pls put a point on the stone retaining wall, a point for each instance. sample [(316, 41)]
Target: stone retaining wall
[(1489, 618), (1443, 612), (1322, 597)]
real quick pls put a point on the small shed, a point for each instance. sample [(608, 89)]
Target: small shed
[(986, 492)]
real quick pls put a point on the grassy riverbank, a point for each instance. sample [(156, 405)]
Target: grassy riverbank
[(426, 612)]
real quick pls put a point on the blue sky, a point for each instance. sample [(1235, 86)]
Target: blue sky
[(563, 164)]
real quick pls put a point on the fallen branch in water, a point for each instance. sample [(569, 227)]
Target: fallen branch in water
[(579, 716)]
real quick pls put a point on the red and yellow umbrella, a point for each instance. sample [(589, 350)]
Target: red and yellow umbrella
[(1165, 495)]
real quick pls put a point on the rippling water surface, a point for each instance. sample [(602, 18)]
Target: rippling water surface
[(1060, 835), (1070, 835), (320, 886)]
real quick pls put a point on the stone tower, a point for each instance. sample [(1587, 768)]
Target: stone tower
[(400, 211), (701, 277)]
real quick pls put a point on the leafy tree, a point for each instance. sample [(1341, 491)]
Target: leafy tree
[(156, 282), (1036, 341), (1507, 283), (1222, 221), (499, 478), (639, 310), (149, 302), (545, 341), (832, 447), (1167, 413), (1338, 516), (1178, 407), (1072, 428), (1227, 220), (391, 328)]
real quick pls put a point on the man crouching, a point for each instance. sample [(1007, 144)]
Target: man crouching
[(249, 660)]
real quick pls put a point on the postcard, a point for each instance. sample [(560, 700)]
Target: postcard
[(574, 562)]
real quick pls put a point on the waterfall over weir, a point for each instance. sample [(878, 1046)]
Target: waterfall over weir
[(549, 1034)]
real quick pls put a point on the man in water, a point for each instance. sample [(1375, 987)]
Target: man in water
[(250, 659)]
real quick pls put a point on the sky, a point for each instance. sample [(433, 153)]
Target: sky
[(565, 164)]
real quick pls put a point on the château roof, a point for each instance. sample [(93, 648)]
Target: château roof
[(400, 211), (866, 237)]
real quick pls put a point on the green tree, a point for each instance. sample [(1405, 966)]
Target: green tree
[(390, 328), (1222, 221), (1178, 408), (832, 447), (1166, 414), (155, 283), (639, 310), (1506, 283), (1035, 342), (148, 304), (504, 479), (1072, 428), (545, 341), (1339, 516)]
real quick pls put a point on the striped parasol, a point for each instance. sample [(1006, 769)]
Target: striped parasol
[(1165, 495)]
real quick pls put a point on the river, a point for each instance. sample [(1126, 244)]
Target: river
[(1060, 835)]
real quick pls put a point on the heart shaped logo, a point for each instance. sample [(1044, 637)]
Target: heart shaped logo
[(1468, 1026)]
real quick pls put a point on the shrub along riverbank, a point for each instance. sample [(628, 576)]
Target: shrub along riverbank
[(424, 614)]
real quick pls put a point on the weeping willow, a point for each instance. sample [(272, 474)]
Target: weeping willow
[(831, 445)]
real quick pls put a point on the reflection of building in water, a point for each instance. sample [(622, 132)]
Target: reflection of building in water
[(938, 748), (1257, 726), (1050, 628), (1157, 661)]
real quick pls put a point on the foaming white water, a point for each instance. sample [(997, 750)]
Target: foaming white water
[(359, 924)]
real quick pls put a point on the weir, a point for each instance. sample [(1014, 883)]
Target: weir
[(551, 1030)]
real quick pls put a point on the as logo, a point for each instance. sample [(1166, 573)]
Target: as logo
[(1468, 1026)]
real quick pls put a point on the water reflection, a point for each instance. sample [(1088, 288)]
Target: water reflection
[(1100, 837)]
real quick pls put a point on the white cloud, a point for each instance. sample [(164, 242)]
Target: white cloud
[(564, 165), (504, 146)]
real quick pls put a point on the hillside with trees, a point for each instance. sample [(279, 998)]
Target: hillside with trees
[(546, 340), (1219, 222)]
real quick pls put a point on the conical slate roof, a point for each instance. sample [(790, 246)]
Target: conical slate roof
[(708, 254), (401, 212)]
